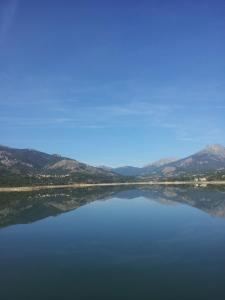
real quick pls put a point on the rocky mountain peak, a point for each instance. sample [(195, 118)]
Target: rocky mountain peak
[(215, 149), (162, 162)]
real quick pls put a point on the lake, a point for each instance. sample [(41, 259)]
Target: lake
[(113, 243)]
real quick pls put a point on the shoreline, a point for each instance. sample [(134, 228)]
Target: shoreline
[(84, 185)]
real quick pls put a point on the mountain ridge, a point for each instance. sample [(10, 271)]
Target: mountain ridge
[(210, 158), (29, 163), (43, 168)]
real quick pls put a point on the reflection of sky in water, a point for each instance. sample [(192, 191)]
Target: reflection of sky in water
[(132, 234)]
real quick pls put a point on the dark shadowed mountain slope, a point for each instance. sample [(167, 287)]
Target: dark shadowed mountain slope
[(28, 162), (25, 160)]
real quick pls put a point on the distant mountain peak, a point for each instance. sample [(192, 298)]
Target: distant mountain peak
[(162, 162), (105, 168), (214, 148)]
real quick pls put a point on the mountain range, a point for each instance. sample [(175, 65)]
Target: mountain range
[(23, 164), (146, 170), (209, 160), (28, 166)]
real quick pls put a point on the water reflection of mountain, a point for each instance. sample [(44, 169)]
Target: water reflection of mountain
[(210, 200), (20, 208)]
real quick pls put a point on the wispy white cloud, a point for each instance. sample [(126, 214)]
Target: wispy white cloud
[(92, 116), (7, 18), (205, 124)]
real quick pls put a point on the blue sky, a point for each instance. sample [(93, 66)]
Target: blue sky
[(112, 82)]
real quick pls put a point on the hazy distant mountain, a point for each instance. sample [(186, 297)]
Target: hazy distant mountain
[(146, 170), (128, 171), (161, 162), (211, 158), (29, 162), (105, 168)]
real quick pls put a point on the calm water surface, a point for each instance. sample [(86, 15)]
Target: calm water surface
[(148, 243)]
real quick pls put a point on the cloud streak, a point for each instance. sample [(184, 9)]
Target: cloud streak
[(173, 119)]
